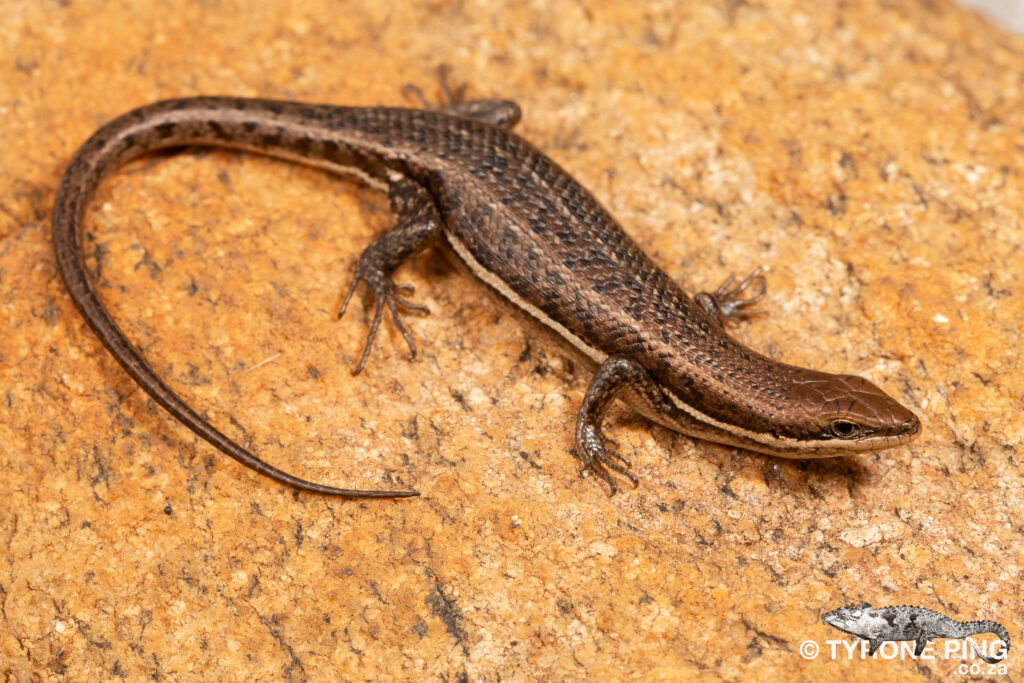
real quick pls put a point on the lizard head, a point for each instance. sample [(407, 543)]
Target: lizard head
[(799, 413), (848, 413), (809, 414), (847, 618)]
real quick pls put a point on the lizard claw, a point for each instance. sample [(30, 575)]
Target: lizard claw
[(728, 303), (731, 301), (411, 91), (449, 97), (405, 303), (502, 113), (592, 449), (385, 294)]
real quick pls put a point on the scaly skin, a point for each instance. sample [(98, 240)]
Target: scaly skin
[(533, 236), (878, 625)]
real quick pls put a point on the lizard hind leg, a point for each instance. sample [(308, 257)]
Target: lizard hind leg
[(504, 114), (418, 226)]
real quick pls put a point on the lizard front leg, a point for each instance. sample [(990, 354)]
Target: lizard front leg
[(728, 303), (616, 375)]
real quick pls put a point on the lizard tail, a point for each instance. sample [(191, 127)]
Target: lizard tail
[(144, 130), (976, 627)]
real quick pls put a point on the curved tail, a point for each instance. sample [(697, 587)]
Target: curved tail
[(143, 130), (976, 627)]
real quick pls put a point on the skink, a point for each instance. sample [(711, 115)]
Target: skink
[(458, 177)]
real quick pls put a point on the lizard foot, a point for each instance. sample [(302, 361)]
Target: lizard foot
[(729, 303), (501, 113), (386, 294), (418, 227), (592, 448)]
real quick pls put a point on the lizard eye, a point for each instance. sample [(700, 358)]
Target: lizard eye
[(842, 429)]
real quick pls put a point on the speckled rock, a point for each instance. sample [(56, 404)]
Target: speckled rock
[(868, 153)]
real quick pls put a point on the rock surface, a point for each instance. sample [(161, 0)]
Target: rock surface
[(869, 153)]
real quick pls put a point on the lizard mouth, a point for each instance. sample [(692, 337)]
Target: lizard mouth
[(899, 435), (879, 440)]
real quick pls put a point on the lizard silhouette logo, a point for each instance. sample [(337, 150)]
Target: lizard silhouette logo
[(878, 625)]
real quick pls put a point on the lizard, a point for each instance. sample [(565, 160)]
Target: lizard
[(458, 177), (881, 624)]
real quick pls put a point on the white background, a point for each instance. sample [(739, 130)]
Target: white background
[(1010, 13)]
